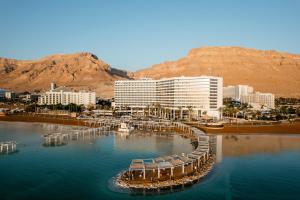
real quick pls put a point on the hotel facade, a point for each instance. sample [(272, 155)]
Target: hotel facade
[(258, 100), (202, 95), (63, 95), (245, 94), (236, 91)]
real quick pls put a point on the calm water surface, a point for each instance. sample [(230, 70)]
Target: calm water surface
[(249, 167)]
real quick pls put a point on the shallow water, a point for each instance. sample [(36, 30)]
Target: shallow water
[(248, 167)]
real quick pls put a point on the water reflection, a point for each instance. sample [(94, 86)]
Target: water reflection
[(168, 143), (85, 168), (239, 145)]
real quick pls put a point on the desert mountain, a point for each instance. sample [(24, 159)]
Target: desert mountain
[(266, 71), (81, 71)]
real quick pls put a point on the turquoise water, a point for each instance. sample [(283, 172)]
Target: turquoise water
[(249, 167)]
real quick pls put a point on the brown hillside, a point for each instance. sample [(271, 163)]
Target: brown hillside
[(266, 71), (79, 71)]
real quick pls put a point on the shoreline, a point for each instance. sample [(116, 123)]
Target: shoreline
[(45, 119), (284, 128)]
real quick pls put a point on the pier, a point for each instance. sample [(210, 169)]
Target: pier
[(173, 170), (153, 126), (151, 173), (58, 139), (94, 127), (8, 147)]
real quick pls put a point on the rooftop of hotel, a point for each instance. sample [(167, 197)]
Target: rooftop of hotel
[(171, 78)]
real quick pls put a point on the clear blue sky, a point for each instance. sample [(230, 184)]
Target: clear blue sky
[(135, 34)]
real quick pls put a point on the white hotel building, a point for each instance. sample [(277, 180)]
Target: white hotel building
[(202, 94), (63, 95), (236, 91), (258, 100), (245, 94)]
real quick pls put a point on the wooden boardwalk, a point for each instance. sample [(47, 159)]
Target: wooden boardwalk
[(169, 170), (58, 139)]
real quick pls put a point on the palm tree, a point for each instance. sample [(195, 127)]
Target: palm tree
[(284, 109), (235, 110), (158, 109), (221, 109), (190, 108), (162, 111), (168, 111), (258, 114), (230, 111), (180, 112), (152, 109), (148, 110)]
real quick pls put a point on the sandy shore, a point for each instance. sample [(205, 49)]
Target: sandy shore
[(43, 119), (284, 128)]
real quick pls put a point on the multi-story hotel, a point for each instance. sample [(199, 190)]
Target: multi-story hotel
[(236, 91), (244, 93), (135, 93), (63, 95), (259, 99), (2, 94), (201, 95)]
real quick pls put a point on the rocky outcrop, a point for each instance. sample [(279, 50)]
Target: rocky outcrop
[(79, 71)]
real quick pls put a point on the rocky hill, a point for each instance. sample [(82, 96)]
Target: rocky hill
[(266, 71), (79, 71)]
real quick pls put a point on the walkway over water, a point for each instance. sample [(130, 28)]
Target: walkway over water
[(173, 169), (57, 139), (99, 126)]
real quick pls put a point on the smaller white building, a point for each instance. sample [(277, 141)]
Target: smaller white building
[(10, 95), (2, 94), (236, 91), (258, 100), (63, 95)]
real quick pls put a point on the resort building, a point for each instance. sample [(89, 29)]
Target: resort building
[(10, 95), (29, 97), (202, 95), (236, 91), (258, 100), (135, 93), (2, 94), (245, 94), (63, 95)]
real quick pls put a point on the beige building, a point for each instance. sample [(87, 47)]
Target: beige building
[(63, 95), (236, 91), (10, 95), (258, 100)]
